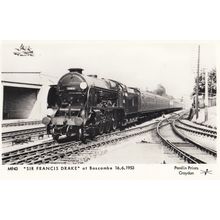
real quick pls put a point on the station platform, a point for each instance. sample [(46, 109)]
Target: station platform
[(20, 128), (19, 122)]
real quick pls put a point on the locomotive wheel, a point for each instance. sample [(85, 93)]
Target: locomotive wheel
[(92, 133), (80, 134), (55, 134), (68, 131), (56, 137), (107, 126), (101, 128), (121, 127), (114, 124)]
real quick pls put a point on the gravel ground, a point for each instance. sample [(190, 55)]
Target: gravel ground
[(185, 146), (196, 125), (144, 149), (201, 139), (7, 147)]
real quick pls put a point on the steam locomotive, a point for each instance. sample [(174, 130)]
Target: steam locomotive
[(85, 105)]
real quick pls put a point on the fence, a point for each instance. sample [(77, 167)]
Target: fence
[(211, 101)]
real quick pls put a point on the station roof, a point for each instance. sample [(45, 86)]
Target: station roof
[(20, 79)]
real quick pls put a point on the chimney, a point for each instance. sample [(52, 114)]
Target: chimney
[(78, 70)]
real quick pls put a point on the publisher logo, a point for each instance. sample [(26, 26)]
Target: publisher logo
[(206, 171)]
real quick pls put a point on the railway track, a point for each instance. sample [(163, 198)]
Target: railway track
[(197, 129), (22, 136), (52, 152), (186, 148), (206, 126)]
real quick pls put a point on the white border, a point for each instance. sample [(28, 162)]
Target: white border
[(78, 20)]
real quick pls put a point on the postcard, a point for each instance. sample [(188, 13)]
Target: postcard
[(109, 109)]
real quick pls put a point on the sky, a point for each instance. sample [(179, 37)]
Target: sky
[(141, 64)]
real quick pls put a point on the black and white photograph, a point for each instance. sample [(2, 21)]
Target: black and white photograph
[(109, 109), (108, 102)]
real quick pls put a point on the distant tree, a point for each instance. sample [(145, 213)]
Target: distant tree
[(160, 90), (212, 86), (170, 96), (146, 89)]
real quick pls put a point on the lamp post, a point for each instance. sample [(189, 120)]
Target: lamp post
[(206, 95), (197, 85)]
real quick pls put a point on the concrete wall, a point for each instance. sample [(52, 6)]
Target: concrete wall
[(18, 102), (25, 95), (40, 107), (211, 101)]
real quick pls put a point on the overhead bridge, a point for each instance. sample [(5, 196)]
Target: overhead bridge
[(24, 95)]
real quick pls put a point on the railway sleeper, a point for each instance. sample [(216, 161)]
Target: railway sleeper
[(197, 132), (213, 152)]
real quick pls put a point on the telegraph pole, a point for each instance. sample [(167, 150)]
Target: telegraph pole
[(197, 85), (206, 95)]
